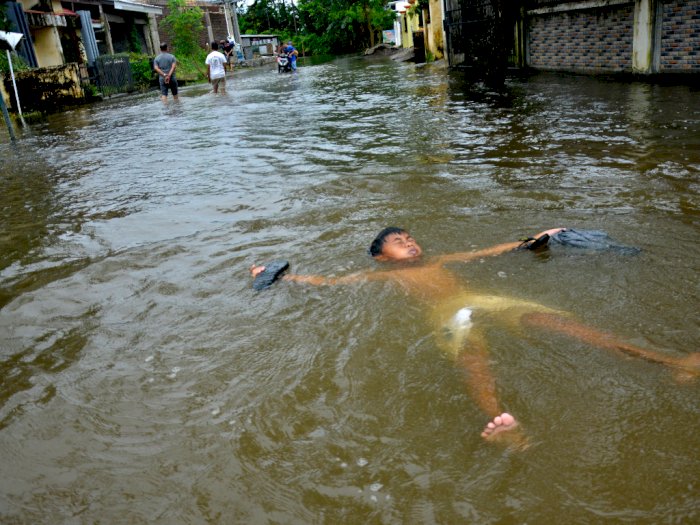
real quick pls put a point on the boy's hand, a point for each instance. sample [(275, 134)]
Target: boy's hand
[(256, 270), (550, 232)]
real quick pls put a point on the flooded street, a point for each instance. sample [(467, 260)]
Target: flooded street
[(144, 381)]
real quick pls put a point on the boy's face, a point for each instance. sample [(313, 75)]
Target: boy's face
[(399, 247)]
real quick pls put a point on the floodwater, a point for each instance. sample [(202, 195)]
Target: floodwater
[(144, 381)]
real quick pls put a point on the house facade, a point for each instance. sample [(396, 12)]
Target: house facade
[(58, 33), (586, 36), (638, 36)]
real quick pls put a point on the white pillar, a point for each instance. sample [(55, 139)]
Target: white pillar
[(155, 37), (210, 31), (643, 36)]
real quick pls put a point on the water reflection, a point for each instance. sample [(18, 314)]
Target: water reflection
[(143, 380)]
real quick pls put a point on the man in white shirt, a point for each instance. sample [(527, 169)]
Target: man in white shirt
[(216, 72)]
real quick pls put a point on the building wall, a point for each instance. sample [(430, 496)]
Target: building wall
[(47, 45), (216, 19), (679, 47), (599, 36), (598, 39), (409, 24), (45, 89), (434, 34)]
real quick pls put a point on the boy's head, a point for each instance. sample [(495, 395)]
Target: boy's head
[(215, 45), (394, 244), (164, 47)]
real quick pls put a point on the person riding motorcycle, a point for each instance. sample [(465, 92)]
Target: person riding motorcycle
[(292, 54)]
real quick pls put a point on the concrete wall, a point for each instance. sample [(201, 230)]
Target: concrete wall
[(47, 46), (435, 42), (409, 24), (45, 89)]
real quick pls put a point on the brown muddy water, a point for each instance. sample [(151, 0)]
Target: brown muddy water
[(144, 381)]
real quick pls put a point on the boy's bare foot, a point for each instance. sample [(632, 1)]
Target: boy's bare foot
[(499, 424), (689, 367)]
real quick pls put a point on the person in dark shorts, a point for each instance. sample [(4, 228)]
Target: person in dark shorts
[(165, 65), (227, 50)]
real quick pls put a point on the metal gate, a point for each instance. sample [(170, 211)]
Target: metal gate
[(113, 74), (475, 31)]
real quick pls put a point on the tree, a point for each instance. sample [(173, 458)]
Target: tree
[(348, 25), (184, 23), (268, 16), (336, 26)]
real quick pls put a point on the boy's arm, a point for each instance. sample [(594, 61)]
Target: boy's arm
[(493, 250), (320, 280)]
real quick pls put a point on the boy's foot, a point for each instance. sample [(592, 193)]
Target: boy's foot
[(689, 367), (498, 425)]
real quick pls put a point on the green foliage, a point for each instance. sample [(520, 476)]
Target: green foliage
[(18, 63), (267, 17), (320, 26), (141, 69), (134, 40), (184, 23), (91, 91), (191, 67), (5, 24), (347, 25)]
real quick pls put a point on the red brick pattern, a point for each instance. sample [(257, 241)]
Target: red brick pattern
[(680, 36), (216, 16), (597, 40)]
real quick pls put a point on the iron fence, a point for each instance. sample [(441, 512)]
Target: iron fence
[(113, 74), (475, 31)]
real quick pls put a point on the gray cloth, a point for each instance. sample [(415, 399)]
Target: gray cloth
[(165, 61), (591, 240)]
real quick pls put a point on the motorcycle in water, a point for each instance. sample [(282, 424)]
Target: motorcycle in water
[(284, 64)]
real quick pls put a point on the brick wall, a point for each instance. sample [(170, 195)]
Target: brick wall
[(586, 40), (216, 17), (680, 36)]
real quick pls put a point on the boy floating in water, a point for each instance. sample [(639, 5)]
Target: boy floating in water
[(456, 313)]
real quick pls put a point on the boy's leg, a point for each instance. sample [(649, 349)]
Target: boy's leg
[(481, 384), (572, 328)]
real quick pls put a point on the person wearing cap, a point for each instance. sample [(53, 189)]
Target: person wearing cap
[(292, 54)]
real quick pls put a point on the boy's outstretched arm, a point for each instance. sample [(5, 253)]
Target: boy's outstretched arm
[(320, 280), (493, 250)]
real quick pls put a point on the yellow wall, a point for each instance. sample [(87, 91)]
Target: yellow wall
[(47, 43), (47, 46), (435, 42), (407, 36), (33, 4)]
